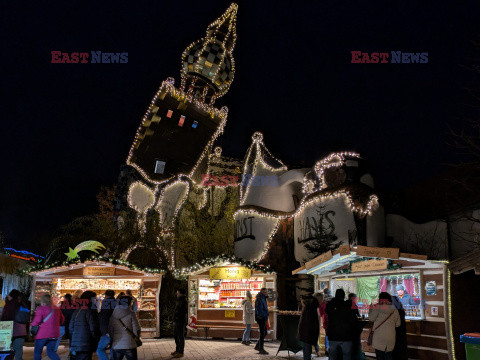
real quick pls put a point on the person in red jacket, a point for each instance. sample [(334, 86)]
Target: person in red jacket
[(49, 318)]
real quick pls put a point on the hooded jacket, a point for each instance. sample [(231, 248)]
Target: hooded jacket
[(248, 312), (84, 330), (121, 338), (261, 308), (384, 334), (309, 326)]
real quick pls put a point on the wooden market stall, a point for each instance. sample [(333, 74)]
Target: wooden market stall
[(366, 271), (465, 290), (99, 276), (216, 293)]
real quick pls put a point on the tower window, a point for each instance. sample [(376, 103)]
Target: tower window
[(181, 121), (169, 113), (159, 166), (194, 125)]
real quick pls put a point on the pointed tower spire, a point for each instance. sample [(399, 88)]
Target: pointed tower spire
[(207, 65)]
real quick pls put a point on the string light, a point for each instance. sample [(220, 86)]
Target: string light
[(260, 148)]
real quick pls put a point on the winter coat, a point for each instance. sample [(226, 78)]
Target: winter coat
[(181, 310), (67, 310), (50, 328), (384, 336), (10, 309), (308, 326), (248, 312), (400, 350), (121, 338), (261, 308), (322, 312), (341, 323), (108, 305), (84, 330), (407, 299)]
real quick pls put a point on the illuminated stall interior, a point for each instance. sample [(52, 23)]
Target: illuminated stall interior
[(216, 294), (367, 271), (99, 276)]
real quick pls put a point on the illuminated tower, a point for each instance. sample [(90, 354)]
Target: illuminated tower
[(181, 124)]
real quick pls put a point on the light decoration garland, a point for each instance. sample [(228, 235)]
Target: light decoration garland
[(98, 259), (260, 150), (450, 324), (212, 38), (333, 160), (220, 260), (141, 212), (168, 87)]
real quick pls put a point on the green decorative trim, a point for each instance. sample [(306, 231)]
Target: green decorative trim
[(184, 272), (77, 261)]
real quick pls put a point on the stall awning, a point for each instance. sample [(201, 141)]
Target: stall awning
[(471, 261), (330, 261)]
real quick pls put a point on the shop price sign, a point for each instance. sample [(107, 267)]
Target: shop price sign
[(6, 330), (230, 313), (230, 273), (431, 288), (370, 265), (99, 271)]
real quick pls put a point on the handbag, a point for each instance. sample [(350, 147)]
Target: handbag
[(138, 341), (34, 329), (372, 331)]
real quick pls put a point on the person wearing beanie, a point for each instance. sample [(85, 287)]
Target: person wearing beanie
[(405, 298)]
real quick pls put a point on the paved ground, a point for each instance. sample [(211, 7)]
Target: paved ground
[(194, 350)]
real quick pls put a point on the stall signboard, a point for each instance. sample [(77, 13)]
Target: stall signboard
[(99, 271), (230, 273), (376, 252), (370, 265), (6, 330), (431, 288), (230, 313)]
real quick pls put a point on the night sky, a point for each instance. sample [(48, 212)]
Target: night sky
[(67, 128)]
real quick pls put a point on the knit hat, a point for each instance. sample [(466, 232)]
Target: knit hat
[(400, 287)]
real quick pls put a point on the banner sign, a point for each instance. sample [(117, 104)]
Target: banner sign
[(369, 251), (99, 271), (230, 273), (431, 288), (370, 265), (6, 330)]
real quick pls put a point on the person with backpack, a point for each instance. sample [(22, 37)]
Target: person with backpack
[(124, 330), (46, 328), (84, 327), (17, 311), (385, 320)]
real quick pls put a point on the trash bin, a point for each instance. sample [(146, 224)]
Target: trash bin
[(472, 345)]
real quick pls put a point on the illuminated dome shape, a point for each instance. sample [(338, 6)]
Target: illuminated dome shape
[(207, 65)]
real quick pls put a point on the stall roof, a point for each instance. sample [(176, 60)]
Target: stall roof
[(471, 261), (63, 270), (329, 261)]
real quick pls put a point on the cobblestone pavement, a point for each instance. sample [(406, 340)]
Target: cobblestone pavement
[(194, 350)]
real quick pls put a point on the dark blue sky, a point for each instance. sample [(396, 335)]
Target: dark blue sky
[(67, 128)]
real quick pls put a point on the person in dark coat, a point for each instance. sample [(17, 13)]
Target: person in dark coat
[(84, 327), (400, 349), (180, 322), (358, 329), (261, 317), (405, 298), (341, 326), (67, 310), (108, 305), (308, 326), (15, 300)]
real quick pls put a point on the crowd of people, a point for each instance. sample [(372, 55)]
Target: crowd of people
[(343, 326), (109, 328)]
